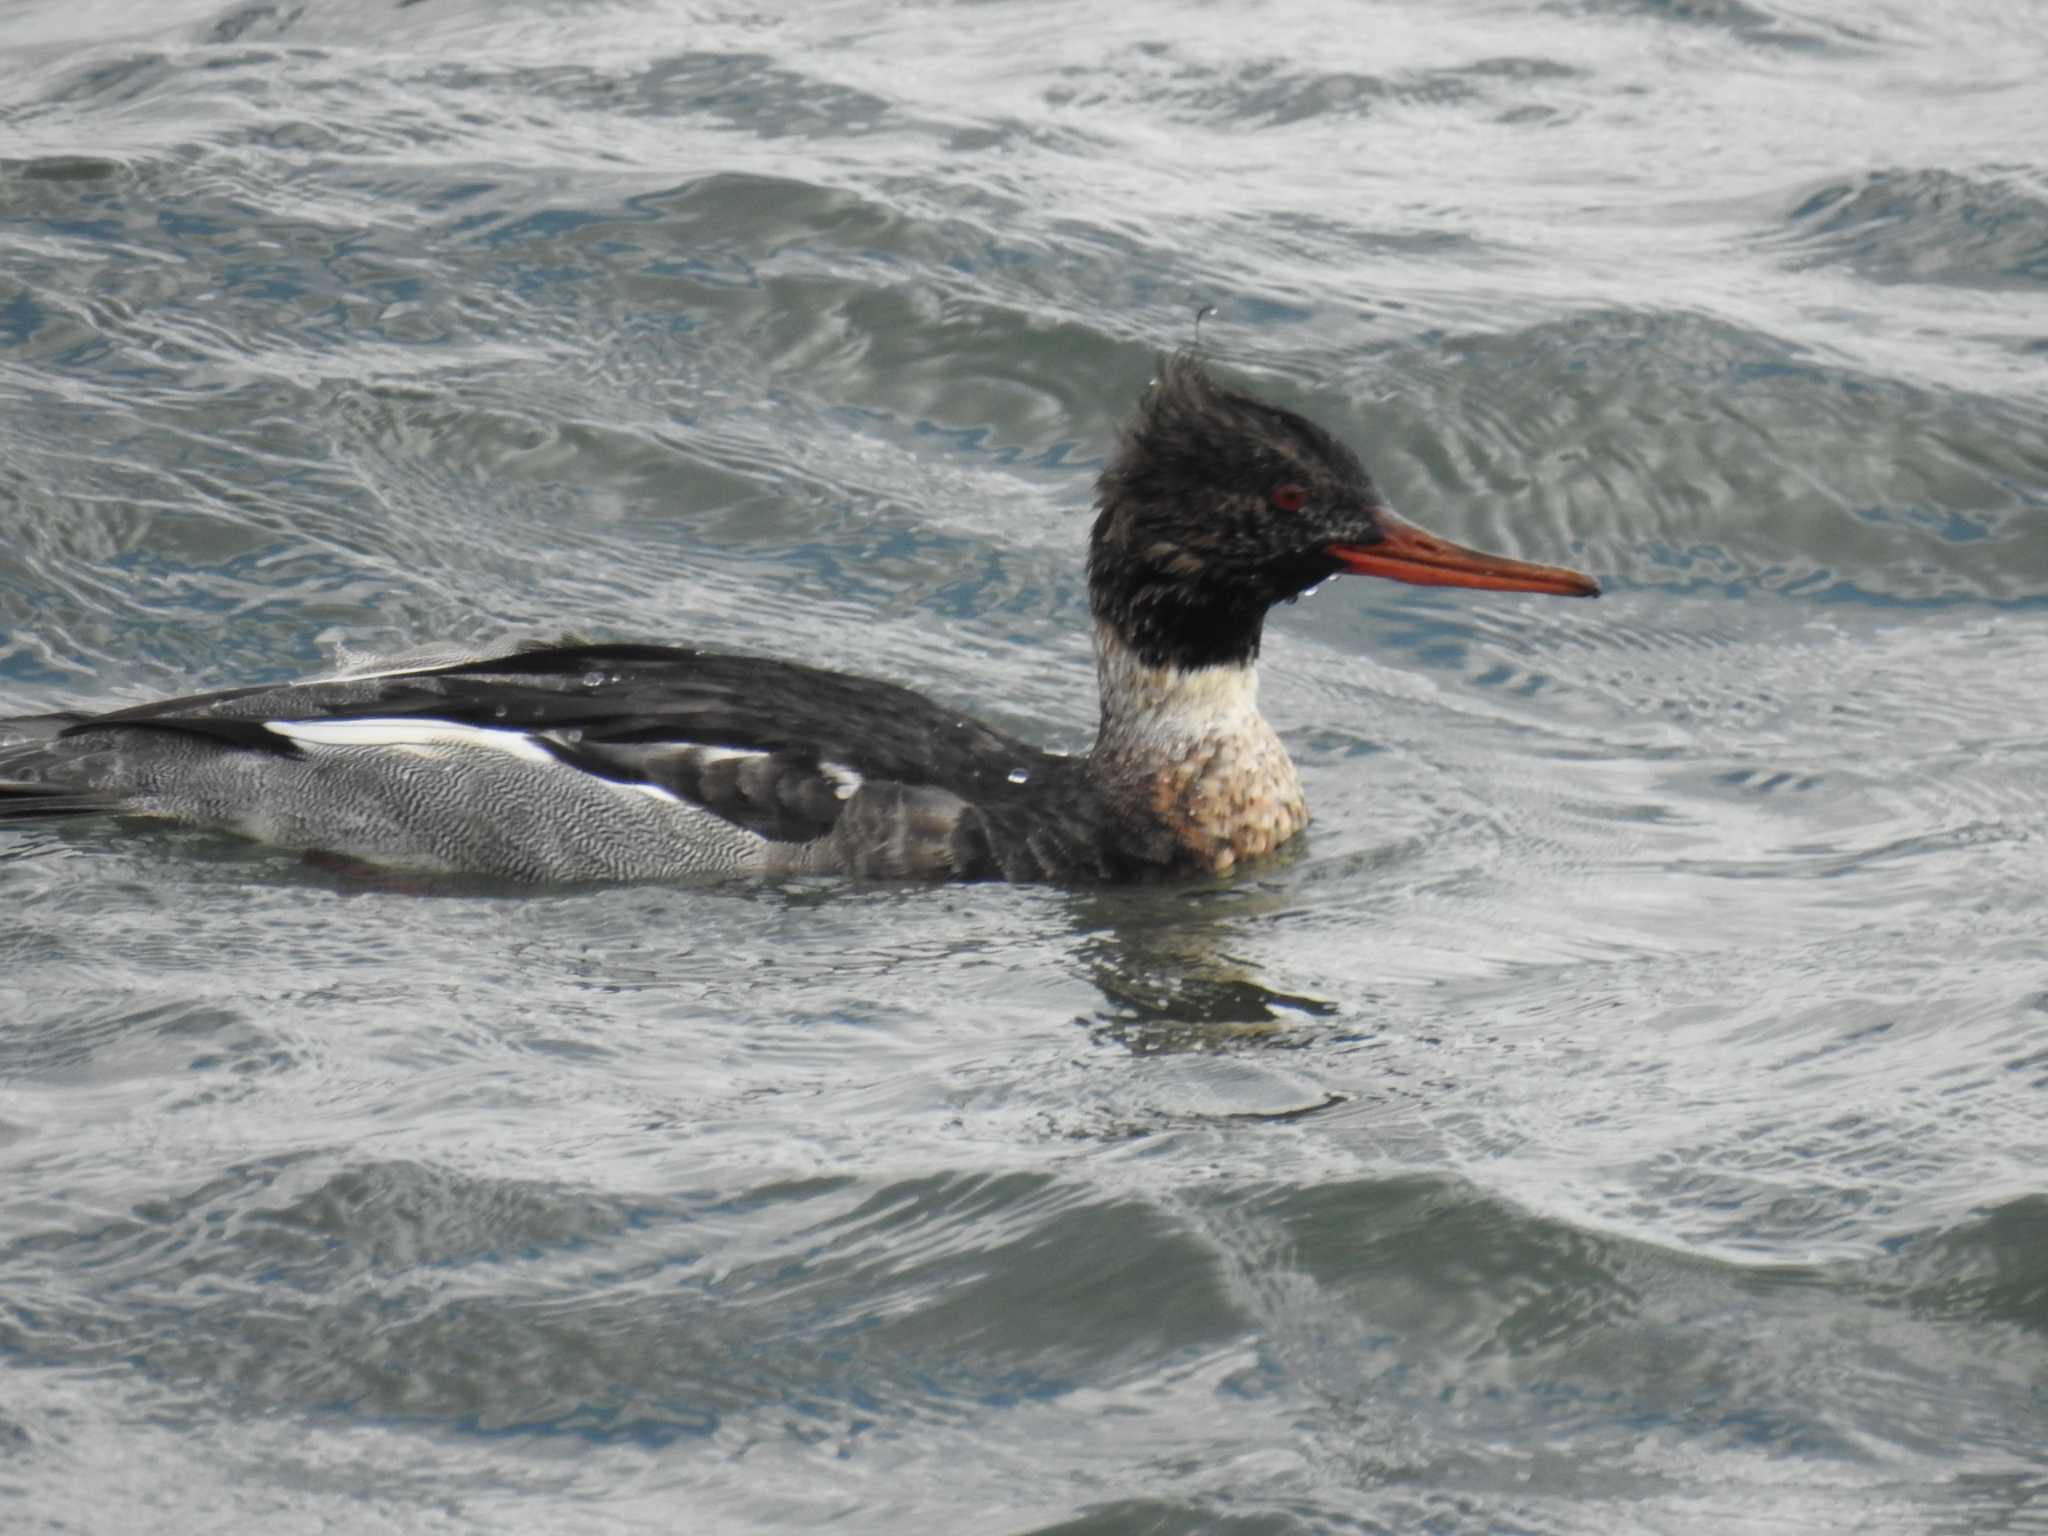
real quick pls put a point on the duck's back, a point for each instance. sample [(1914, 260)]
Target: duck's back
[(595, 762)]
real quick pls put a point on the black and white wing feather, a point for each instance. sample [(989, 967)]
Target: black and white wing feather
[(591, 762)]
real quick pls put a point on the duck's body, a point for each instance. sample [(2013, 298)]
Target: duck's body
[(630, 762), (608, 762)]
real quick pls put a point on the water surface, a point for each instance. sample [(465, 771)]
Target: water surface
[(1623, 1111)]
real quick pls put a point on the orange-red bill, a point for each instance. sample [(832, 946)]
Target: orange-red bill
[(1408, 554)]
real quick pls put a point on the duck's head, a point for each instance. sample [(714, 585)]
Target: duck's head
[(1216, 505)]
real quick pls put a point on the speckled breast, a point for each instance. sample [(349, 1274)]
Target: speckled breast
[(1230, 799)]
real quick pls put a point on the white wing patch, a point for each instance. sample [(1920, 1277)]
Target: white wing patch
[(414, 735), (426, 737)]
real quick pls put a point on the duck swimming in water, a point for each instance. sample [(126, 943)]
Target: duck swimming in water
[(574, 762)]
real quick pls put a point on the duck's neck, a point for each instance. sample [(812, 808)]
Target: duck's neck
[(1189, 747), (1149, 712)]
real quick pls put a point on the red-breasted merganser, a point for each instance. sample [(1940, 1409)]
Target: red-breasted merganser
[(575, 762)]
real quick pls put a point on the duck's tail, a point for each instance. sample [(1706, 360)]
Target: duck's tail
[(33, 783)]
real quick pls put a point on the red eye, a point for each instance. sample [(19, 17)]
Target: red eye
[(1290, 497)]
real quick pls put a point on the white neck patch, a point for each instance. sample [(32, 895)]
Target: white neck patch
[(1160, 706)]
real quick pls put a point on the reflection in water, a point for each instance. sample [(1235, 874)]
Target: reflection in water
[(1169, 981)]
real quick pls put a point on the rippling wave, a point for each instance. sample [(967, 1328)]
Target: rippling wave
[(1621, 1112)]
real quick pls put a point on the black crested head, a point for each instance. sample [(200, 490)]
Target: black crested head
[(1215, 506)]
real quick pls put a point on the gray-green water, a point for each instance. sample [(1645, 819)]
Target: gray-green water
[(1624, 1113)]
